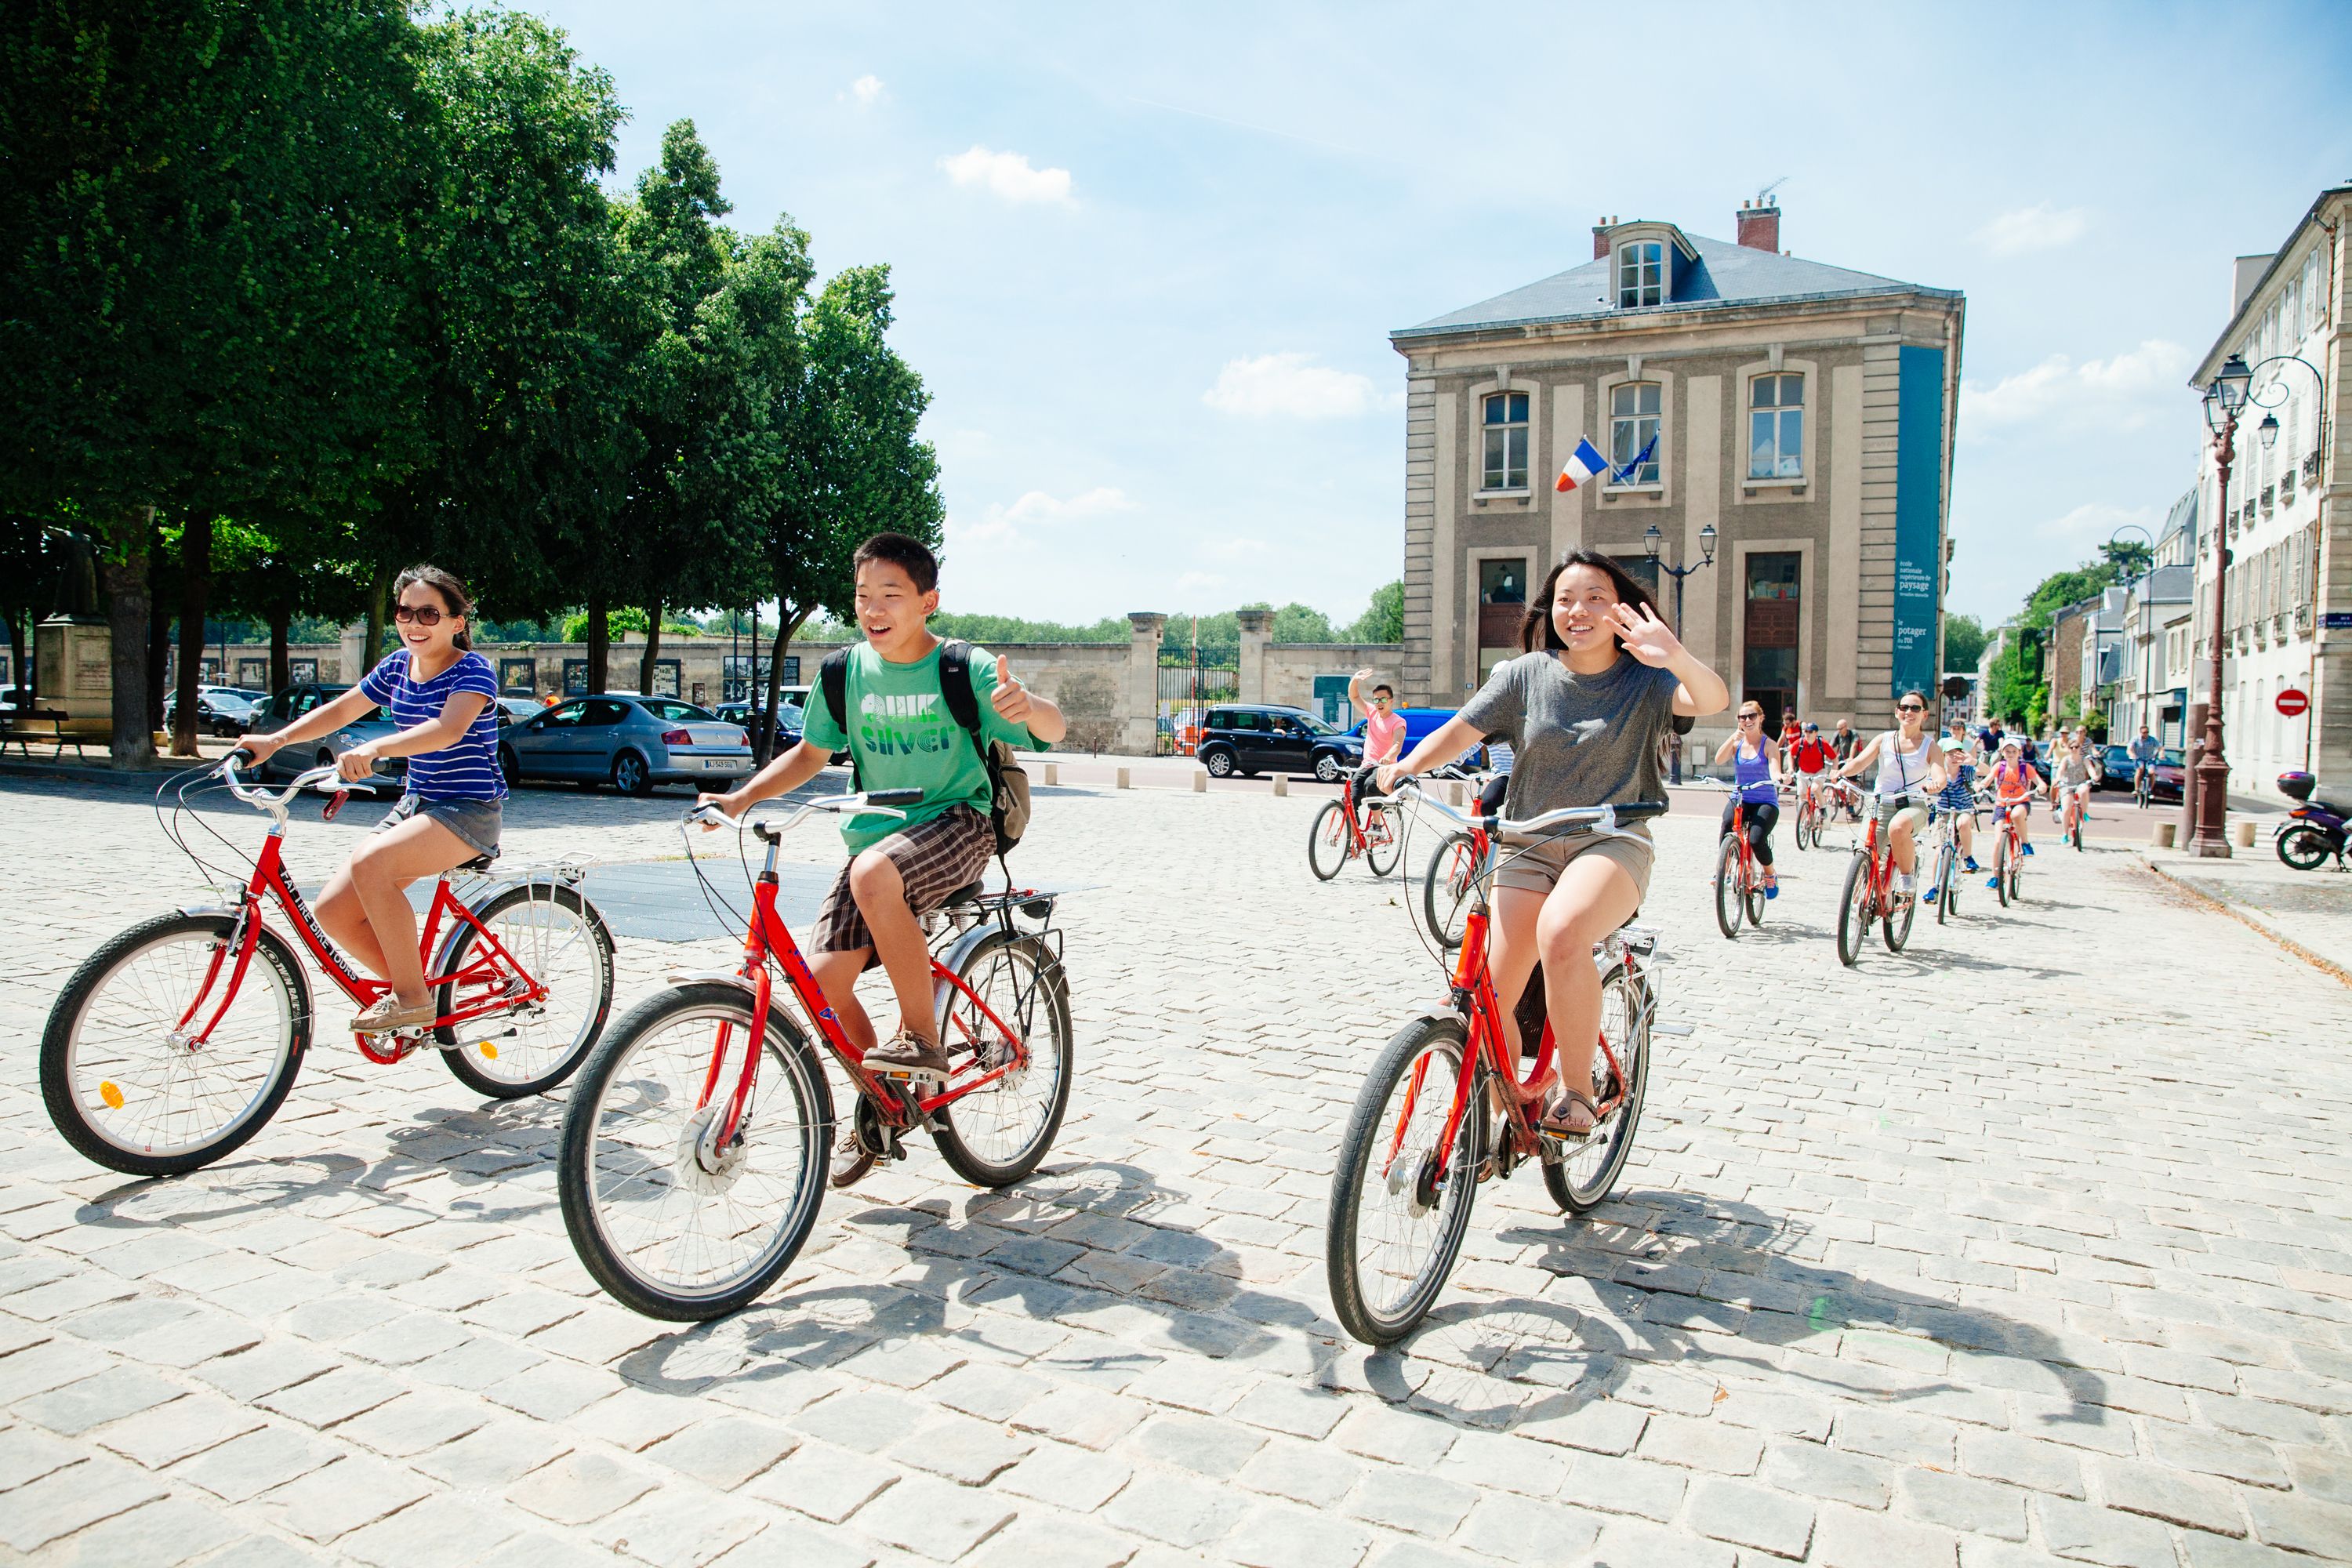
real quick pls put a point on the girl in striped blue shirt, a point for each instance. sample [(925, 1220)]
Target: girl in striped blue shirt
[(440, 693)]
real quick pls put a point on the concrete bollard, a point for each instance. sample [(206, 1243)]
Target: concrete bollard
[(2165, 835), (1121, 781), (1282, 783), (1053, 773), (2245, 836), (1200, 781)]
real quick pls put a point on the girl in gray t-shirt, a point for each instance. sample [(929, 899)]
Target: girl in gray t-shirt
[(1601, 678)]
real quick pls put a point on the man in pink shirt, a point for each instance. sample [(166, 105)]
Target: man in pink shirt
[(1383, 728)]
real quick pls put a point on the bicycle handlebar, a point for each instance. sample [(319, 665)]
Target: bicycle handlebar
[(879, 802), (260, 796), (1563, 820)]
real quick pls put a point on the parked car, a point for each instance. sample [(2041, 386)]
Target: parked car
[(2115, 772), (287, 760), (220, 709), (515, 709), (630, 741), (1250, 739)]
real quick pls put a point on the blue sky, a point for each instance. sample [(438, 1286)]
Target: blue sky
[(1147, 259)]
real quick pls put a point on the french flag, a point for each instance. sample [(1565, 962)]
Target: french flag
[(1582, 464)]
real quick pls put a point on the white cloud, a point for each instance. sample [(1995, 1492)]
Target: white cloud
[(1041, 507), (1235, 549), (1287, 385), (999, 527), (866, 90), (2058, 388), (1198, 582), (2092, 521), (1007, 175), (2038, 228)]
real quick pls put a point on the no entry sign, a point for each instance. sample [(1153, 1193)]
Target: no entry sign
[(2293, 702)]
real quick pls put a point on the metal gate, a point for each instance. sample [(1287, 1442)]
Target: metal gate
[(1190, 680)]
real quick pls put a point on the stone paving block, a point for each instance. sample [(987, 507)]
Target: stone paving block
[(554, 1390), (42, 1367), (332, 1397), (680, 1527), (2022, 1461), (1601, 1425), (868, 1422), (271, 1366), (1217, 1449), (827, 1484), (1963, 1503), (535, 1549), (1851, 1538), (1276, 1536), (71, 1498), (1410, 1500), (2219, 1454), (494, 1454), (28, 1453), (1401, 1437), (2299, 1524), (439, 1532), (724, 1451), (581, 1486), (1523, 1529), (1811, 1471), (934, 1518), (1301, 1412), (160, 1534), (970, 1452), (801, 1545), (1630, 1541), (1055, 1543), (245, 1467), (169, 1433), (2170, 1495), (342, 1497), (415, 1423), (1702, 1444)]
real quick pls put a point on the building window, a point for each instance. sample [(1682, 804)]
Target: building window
[(1768, 661), (1775, 428), (1506, 441), (1633, 433), (1642, 273)]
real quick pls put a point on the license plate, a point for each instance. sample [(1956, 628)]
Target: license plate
[(719, 765)]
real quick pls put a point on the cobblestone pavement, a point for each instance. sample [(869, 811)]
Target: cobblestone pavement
[(2032, 1242)]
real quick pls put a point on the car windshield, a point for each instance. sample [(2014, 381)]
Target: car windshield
[(1316, 726), (2172, 754)]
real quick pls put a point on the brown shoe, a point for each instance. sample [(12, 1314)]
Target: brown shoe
[(851, 1158), (910, 1055), (388, 1012)]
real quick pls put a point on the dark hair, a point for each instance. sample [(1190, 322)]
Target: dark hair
[(1384, 685), (911, 557), (1537, 633), (454, 600)]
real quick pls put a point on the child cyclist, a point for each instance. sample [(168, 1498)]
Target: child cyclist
[(898, 728), (440, 694), (2014, 780), (1601, 679)]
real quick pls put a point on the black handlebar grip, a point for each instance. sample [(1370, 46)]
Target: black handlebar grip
[(1641, 808), (238, 753), (893, 797)]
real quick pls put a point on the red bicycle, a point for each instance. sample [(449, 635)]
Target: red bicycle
[(1346, 828), (2007, 850), (690, 1174), (1870, 895), (1738, 877), (1418, 1143), (177, 1040)]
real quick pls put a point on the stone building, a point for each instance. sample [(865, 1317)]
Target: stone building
[(1803, 412)]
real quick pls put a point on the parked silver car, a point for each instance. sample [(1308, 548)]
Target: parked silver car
[(288, 760), (630, 741)]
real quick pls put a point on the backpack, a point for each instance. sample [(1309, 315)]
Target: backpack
[(1008, 781)]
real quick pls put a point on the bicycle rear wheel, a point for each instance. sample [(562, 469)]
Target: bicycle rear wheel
[(1895, 920), (1854, 909), (1727, 887), (558, 939), (670, 1224), (1447, 886), (1381, 849), (995, 1135), (124, 1081), (1396, 1221), (1327, 841), (1588, 1169), (1753, 897)]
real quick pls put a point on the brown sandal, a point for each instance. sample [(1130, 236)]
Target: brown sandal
[(1554, 1116)]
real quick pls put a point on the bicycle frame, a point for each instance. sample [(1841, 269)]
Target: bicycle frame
[(1746, 852), (1359, 841)]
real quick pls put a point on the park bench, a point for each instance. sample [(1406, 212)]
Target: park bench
[(25, 731)]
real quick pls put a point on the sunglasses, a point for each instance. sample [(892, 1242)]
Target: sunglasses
[(1908, 708), (424, 616), (1751, 718)]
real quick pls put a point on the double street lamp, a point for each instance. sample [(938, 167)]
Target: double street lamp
[(1650, 539)]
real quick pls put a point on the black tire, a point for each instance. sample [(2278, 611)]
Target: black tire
[(1587, 1171), (1808, 829), (71, 1060), (1446, 888), (1219, 761), (1327, 841), (510, 766), (1894, 925), (559, 1043), (2000, 868), (632, 775), (2304, 848), (1946, 858), (1727, 887), (1854, 919), (597, 1144), (1382, 849), (2016, 874), (1362, 1150), (1022, 984), (1326, 768)]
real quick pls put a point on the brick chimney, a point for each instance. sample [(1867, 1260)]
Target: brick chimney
[(1759, 227), (1600, 239)]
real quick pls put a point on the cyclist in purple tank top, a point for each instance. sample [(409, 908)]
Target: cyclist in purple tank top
[(1754, 760)]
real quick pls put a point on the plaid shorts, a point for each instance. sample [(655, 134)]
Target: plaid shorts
[(934, 858)]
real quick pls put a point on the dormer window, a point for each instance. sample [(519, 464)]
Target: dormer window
[(1641, 273)]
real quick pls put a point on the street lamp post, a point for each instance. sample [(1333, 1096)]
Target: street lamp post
[(1650, 539)]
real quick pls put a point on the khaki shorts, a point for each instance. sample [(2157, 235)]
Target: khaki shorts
[(1534, 864), (1892, 814)]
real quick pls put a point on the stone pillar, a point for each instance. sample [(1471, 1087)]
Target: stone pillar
[(1257, 630), (349, 670), (72, 667), (1139, 732)]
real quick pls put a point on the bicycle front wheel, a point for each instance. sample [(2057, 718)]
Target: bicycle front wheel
[(1727, 887), (995, 1135), (670, 1222), (1381, 849), (1327, 841), (558, 939), (1397, 1217), (1854, 909), (123, 1074), (1587, 1169), (1446, 887), (1945, 858), (2001, 857)]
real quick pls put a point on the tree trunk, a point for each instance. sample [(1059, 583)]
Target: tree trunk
[(379, 606), (600, 640), (132, 743), (281, 629), (764, 734), (195, 589), (653, 646), (159, 639)]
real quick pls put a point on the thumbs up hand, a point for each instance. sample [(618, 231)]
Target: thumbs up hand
[(1011, 699)]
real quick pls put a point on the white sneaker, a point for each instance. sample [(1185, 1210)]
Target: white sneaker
[(1906, 884)]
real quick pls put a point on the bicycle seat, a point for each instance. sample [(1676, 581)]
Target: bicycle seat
[(968, 894), (479, 863)]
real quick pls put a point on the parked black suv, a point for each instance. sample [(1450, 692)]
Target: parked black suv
[(1250, 740)]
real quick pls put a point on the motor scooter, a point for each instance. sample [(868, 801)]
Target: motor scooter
[(2313, 829)]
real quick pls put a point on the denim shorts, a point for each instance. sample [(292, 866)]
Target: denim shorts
[(475, 821)]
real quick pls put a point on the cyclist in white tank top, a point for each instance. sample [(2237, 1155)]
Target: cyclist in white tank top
[(1910, 772)]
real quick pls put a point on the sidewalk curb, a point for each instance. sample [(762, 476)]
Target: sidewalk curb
[(2326, 965), (79, 773)]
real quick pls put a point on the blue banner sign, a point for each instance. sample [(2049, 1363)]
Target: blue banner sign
[(1918, 514)]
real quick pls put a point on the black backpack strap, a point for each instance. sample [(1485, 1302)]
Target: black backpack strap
[(832, 679), (955, 685)]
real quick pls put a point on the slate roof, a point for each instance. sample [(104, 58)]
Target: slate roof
[(1724, 275)]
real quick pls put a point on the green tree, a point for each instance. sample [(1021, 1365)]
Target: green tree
[(1384, 619), (204, 297), (1964, 642)]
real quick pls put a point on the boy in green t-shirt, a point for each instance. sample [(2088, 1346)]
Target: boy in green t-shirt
[(900, 730)]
